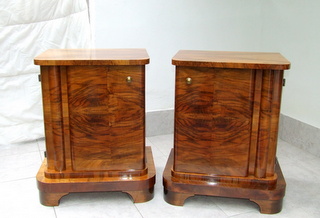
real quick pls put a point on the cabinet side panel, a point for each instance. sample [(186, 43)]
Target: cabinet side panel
[(47, 116), (65, 111), (88, 117), (53, 116), (257, 87), (274, 124), (126, 89), (263, 145)]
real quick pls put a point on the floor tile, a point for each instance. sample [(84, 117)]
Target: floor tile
[(19, 164), (288, 153), (21, 199), (159, 165), (104, 204), (14, 167), (194, 207), (233, 206), (163, 142), (155, 150)]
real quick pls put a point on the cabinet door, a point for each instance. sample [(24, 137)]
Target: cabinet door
[(213, 121), (106, 116), (127, 116)]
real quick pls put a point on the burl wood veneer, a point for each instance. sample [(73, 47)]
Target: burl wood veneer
[(227, 108), (94, 116)]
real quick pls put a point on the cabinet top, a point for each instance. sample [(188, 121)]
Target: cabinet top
[(55, 57), (224, 59)]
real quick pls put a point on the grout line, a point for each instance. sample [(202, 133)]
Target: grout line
[(55, 212), (138, 210)]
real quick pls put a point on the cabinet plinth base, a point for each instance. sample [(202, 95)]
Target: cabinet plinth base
[(177, 190), (140, 188)]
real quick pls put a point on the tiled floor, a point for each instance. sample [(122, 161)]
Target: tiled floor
[(19, 195)]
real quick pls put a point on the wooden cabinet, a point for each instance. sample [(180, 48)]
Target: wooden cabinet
[(227, 108), (94, 115)]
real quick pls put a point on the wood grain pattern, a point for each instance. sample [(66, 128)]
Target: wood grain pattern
[(225, 59), (105, 108), (227, 107), (213, 123), (61, 57), (226, 133), (140, 188), (94, 123), (274, 117), (177, 190), (53, 117), (95, 120), (255, 121)]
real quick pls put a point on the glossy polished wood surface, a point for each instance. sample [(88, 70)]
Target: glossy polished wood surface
[(94, 114), (94, 119), (227, 107), (140, 188), (227, 59), (60, 57), (177, 189)]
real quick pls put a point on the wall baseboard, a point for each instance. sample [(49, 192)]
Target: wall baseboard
[(291, 130), (300, 134), (159, 122)]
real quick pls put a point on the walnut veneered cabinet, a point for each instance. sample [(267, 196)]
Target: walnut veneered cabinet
[(227, 108), (94, 115)]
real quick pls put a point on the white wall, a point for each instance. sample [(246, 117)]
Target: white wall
[(166, 26), (291, 27)]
